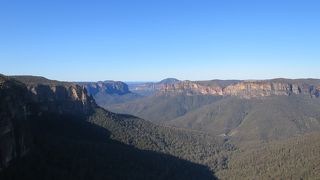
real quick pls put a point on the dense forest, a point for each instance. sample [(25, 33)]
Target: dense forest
[(294, 158)]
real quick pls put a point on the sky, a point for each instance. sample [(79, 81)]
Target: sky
[(149, 40)]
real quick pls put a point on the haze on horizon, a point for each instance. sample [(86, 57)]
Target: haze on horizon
[(151, 40)]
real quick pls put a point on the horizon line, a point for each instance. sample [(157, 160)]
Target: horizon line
[(153, 81)]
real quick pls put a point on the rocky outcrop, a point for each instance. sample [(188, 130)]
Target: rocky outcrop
[(22, 97), (108, 87), (71, 99), (58, 97), (191, 88), (247, 89)]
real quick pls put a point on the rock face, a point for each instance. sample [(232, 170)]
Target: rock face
[(191, 88), (246, 89), (71, 99), (15, 138), (22, 96), (108, 93), (151, 88), (109, 87), (58, 97)]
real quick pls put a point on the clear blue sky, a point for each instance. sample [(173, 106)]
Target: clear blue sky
[(141, 40)]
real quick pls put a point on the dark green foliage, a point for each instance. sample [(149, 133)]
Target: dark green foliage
[(293, 158), (191, 145), (68, 147)]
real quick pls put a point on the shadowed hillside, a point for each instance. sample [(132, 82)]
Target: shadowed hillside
[(67, 147)]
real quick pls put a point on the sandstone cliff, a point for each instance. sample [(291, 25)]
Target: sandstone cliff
[(58, 97), (24, 96), (151, 88), (247, 89), (191, 88)]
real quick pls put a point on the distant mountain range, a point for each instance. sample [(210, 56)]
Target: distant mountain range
[(248, 110), (246, 89), (109, 87), (151, 88), (239, 88), (109, 92)]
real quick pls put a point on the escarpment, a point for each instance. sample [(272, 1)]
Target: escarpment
[(23, 97), (15, 138), (247, 89), (58, 97), (109, 87)]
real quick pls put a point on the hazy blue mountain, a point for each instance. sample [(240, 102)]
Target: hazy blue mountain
[(107, 93), (151, 88)]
